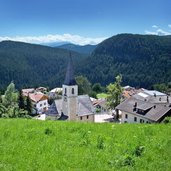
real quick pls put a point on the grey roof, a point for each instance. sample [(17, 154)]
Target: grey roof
[(52, 110), (154, 112), (58, 104), (85, 106), (69, 78)]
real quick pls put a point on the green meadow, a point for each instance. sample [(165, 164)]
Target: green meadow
[(30, 145)]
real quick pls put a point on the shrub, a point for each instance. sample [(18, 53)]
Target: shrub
[(100, 142), (167, 120), (48, 131), (139, 150)]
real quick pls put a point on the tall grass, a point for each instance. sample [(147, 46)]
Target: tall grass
[(49, 145)]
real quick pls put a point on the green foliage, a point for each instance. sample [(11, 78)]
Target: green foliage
[(21, 103), (34, 65), (163, 87), (29, 106), (102, 96), (97, 88), (143, 60), (10, 97), (10, 107), (27, 144), (84, 86), (114, 92), (167, 120)]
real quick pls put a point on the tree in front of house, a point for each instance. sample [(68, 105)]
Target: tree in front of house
[(29, 105), (9, 107), (114, 92)]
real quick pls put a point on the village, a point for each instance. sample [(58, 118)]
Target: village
[(136, 106)]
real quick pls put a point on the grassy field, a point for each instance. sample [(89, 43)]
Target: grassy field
[(31, 145), (101, 96)]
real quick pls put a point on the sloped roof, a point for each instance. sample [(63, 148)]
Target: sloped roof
[(85, 106), (69, 78), (155, 112), (36, 97)]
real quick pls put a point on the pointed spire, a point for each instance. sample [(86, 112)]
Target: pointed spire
[(69, 78)]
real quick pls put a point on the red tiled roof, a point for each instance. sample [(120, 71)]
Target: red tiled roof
[(36, 97)]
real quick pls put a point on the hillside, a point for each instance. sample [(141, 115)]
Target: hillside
[(143, 60), (33, 65), (49, 145), (86, 49)]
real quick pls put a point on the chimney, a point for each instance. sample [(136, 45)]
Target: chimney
[(167, 99), (135, 105)]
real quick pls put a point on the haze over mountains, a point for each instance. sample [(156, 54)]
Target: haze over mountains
[(143, 60)]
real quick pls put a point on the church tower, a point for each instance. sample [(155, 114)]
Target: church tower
[(70, 93)]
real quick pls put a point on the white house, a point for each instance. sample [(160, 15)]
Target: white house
[(40, 101)]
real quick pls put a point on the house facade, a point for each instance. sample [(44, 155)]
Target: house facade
[(148, 106)]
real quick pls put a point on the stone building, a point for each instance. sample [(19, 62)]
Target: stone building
[(72, 107)]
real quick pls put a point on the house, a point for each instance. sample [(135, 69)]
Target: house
[(100, 106), (39, 101), (55, 93), (129, 91), (73, 107), (25, 92), (148, 106)]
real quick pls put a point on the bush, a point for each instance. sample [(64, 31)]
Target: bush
[(48, 131), (100, 143), (167, 120), (139, 150)]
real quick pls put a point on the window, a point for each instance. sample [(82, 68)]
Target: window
[(87, 116), (72, 90), (126, 116), (81, 118), (141, 121), (45, 103), (65, 91), (40, 105), (135, 119)]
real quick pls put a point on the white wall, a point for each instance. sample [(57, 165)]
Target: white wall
[(130, 118), (41, 105)]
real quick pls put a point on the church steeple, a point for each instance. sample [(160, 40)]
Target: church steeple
[(69, 78)]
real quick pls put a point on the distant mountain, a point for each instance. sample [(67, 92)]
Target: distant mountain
[(54, 44), (86, 49), (33, 65), (143, 60)]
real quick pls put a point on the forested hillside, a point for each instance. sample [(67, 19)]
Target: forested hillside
[(143, 60), (33, 65)]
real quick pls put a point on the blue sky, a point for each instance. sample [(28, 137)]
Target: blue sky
[(81, 21)]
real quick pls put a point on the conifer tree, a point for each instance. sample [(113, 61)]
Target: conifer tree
[(29, 105), (21, 103)]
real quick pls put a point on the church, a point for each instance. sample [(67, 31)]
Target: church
[(72, 107)]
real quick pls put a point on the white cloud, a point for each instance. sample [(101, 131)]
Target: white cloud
[(76, 39), (154, 26), (159, 32)]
